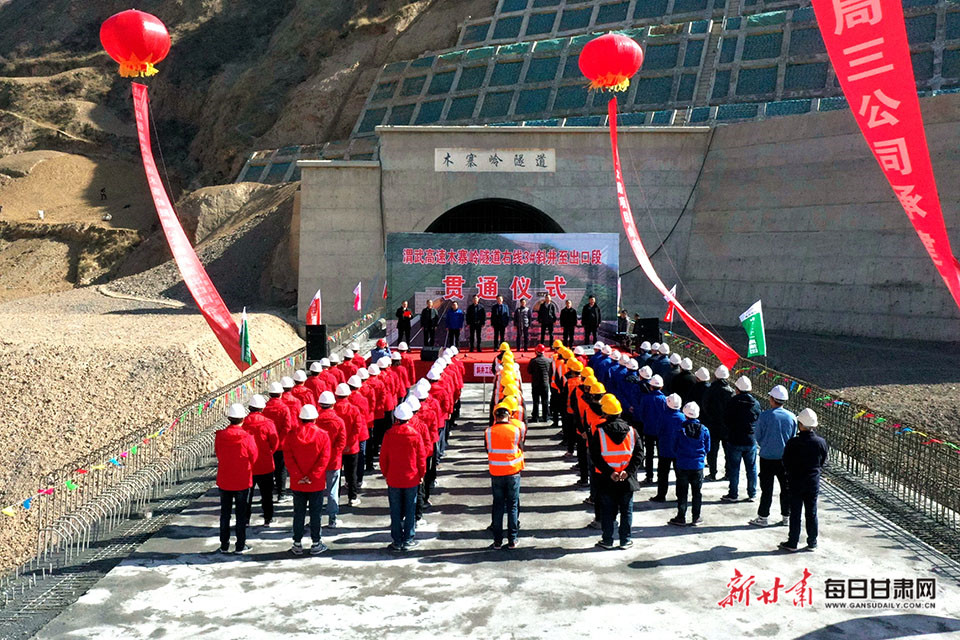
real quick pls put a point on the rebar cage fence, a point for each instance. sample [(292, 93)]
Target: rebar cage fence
[(916, 469), (88, 497)]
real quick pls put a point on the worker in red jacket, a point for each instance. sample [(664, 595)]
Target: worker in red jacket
[(335, 369), (236, 454), (406, 360), (353, 420), (348, 366), (336, 430), (386, 403), (300, 390), (396, 365), (307, 453), (359, 400), (426, 448), (284, 420), (358, 359), (292, 401), (429, 414), (314, 382), (403, 466), (264, 433), (390, 381), (366, 390)]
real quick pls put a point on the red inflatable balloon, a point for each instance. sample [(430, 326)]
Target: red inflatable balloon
[(136, 40), (610, 61)]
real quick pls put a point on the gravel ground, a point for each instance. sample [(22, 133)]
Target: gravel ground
[(917, 382), (82, 369)]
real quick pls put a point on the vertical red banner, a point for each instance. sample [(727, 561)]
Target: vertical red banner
[(721, 349), (206, 296), (867, 44)]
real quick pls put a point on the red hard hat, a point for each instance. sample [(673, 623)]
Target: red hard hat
[(540, 348), (382, 343)]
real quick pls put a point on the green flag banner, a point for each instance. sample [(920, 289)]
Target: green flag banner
[(752, 321), (245, 355)]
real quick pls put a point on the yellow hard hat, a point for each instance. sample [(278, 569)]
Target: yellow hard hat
[(511, 403), (587, 372), (588, 380), (507, 375), (507, 358), (610, 405), (509, 390), (502, 405), (557, 344), (597, 387), (504, 346), (575, 365)]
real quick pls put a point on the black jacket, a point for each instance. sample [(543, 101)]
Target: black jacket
[(429, 318), (539, 370), (682, 384), (740, 417), (617, 429), (803, 458), (499, 315), (547, 314), (590, 316), (476, 315), (568, 317), (402, 322), (522, 317), (714, 408), (697, 393), (623, 324)]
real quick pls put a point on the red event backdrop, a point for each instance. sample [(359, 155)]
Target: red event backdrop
[(867, 44), (207, 297)]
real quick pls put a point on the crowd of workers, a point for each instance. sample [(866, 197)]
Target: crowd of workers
[(617, 412)]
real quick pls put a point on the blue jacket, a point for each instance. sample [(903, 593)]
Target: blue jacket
[(500, 315), (594, 360), (455, 318), (630, 391), (692, 445), (652, 407), (376, 354), (660, 364), (602, 370), (774, 427), (670, 425), (617, 374), (643, 359)]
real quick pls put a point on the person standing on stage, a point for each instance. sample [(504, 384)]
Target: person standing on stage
[(499, 319), (590, 319), (568, 322), (547, 317), (476, 318), (454, 319), (429, 319), (404, 316), (521, 321)]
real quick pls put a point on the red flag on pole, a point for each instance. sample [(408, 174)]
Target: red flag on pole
[(356, 298), (668, 316), (315, 310), (384, 289)]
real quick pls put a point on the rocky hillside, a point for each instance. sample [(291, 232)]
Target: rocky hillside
[(241, 75)]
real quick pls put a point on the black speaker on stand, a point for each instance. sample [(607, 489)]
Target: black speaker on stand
[(317, 348), (430, 354), (648, 329)]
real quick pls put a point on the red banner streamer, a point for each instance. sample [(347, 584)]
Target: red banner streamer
[(206, 296), (719, 348), (867, 44)]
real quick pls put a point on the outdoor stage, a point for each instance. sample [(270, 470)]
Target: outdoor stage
[(478, 365)]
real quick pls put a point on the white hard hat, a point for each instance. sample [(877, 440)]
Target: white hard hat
[(644, 346), (656, 381), (615, 355), (433, 374), (808, 418), (287, 382), (420, 392), (326, 398), (743, 383), (646, 372), (402, 346), (455, 350), (403, 412), (334, 358), (363, 373), (395, 356), (349, 354), (343, 390), (655, 346), (236, 410), (606, 350), (354, 345), (664, 349), (299, 376), (703, 375), (578, 351), (632, 365), (722, 373), (598, 345), (674, 401), (309, 412), (373, 370), (257, 402), (355, 381), (779, 393), (686, 364), (624, 359), (675, 358), (325, 363), (383, 362), (691, 410), (413, 402), (275, 387), (316, 367), (424, 384)]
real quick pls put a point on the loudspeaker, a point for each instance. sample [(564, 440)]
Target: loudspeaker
[(316, 342), (429, 354), (648, 329)]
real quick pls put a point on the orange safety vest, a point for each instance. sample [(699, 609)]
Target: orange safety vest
[(504, 454), (617, 455), (572, 384), (518, 423), (593, 419)]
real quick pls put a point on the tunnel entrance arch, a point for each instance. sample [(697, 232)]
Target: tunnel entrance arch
[(494, 215)]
